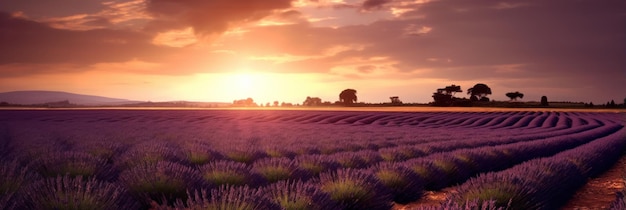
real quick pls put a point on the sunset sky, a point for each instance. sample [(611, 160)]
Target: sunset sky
[(284, 50)]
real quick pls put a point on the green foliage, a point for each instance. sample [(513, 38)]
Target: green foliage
[(355, 189), (274, 173), (72, 164), (241, 156), (218, 177), (346, 191), (159, 185), (198, 158), (392, 179), (76, 194), (288, 203), (312, 167)]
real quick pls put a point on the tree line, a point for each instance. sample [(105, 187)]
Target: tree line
[(442, 97)]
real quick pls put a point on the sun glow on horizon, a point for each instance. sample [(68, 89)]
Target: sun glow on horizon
[(262, 87)]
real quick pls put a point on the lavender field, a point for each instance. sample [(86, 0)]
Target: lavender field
[(297, 159)]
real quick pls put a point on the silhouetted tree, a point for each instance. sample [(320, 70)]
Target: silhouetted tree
[(450, 90), (544, 101), (591, 104), (244, 102), (312, 101), (479, 90), (395, 100), (444, 96), (348, 96), (612, 104), (515, 95), (276, 103)]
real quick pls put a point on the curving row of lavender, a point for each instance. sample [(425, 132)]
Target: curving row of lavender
[(245, 159)]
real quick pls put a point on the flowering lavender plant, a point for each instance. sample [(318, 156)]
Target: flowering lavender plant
[(163, 182), (298, 195), (355, 189), (66, 192)]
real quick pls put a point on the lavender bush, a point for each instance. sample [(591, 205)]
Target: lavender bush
[(66, 192), (228, 198), (276, 169), (355, 189), (189, 159), (226, 172), (74, 164), (299, 195), (161, 182), (403, 184)]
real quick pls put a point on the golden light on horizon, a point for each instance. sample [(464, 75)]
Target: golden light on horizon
[(263, 87)]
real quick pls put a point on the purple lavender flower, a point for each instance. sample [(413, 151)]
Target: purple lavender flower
[(66, 192), (105, 149), (228, 198), (433, 177), (299, 195), (245, 155), (162, 181), (279, 152), (355, 189), (276, 169), (146, 153), (198, 154), (316, 164), (226, 172), (405, 186), (305, 149), (399, 153), (74, 164), (359, 159), (13, 177)]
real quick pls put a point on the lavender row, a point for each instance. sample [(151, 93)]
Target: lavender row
[(544, 183), (196, 154), (199, 152), (175, 179), (140, 167), (446, 169), (428, 119)]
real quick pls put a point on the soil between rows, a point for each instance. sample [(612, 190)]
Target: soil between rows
[(597, 193)]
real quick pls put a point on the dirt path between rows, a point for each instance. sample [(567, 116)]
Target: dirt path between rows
[(598, 193)]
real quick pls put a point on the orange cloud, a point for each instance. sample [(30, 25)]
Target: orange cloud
[(212, 17)]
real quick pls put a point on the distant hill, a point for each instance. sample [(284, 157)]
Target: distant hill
[(44, 97)]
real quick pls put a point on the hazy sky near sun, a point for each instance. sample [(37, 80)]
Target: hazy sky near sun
[(286, 50)]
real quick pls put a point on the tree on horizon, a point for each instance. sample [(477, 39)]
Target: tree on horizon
[(312, 101), (514, 95), (395, 100), (544, 101), (348, 97), (479, 92)]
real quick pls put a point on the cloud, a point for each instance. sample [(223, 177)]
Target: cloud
[(374, 4), (212, 17), (468, 41), (26, 41)]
